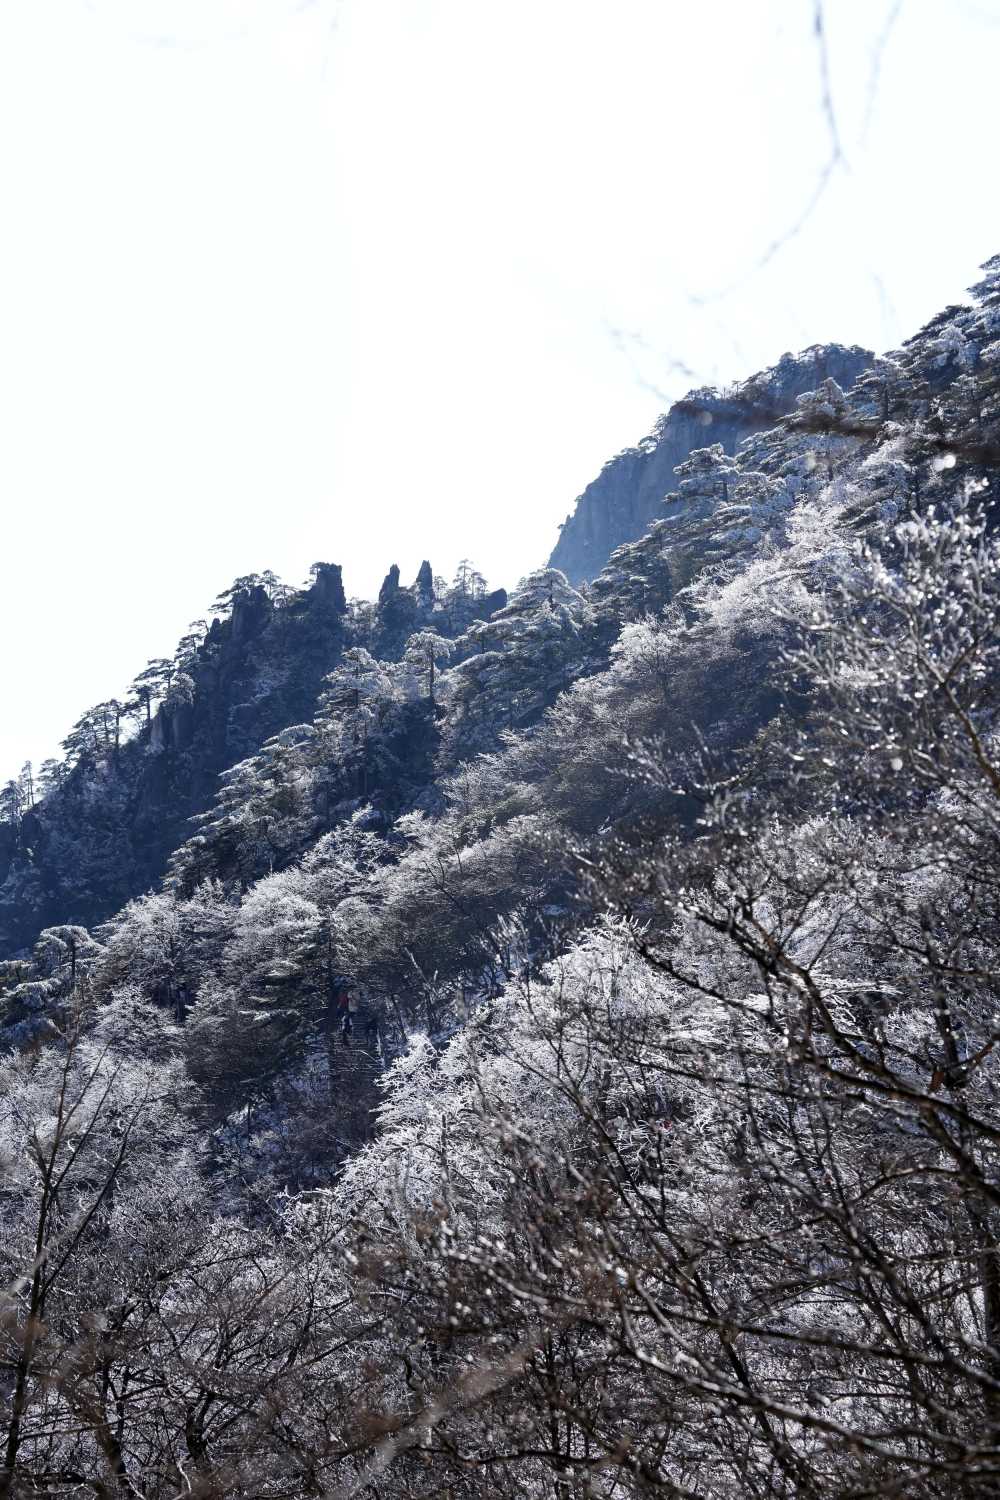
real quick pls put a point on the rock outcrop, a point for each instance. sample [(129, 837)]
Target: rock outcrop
[(626, 497), (105, 828), (105, 832)]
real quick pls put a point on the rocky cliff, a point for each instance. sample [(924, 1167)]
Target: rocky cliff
[(625, 498), (123, 799)]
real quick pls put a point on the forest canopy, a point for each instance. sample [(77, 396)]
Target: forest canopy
[(549, 1046)]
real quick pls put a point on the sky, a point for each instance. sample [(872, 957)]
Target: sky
[(368, 281)]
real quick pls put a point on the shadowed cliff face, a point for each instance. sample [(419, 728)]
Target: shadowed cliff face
[(105, 833), (626, 497)]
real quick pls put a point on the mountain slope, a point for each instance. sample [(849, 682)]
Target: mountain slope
[(611, 1111), (619, 505), (99, 826)]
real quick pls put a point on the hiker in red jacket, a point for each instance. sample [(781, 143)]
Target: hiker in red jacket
[(342, 1009)]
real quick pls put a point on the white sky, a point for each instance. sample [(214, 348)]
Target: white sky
[(373, 280)]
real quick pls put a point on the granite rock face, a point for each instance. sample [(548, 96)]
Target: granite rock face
[(104, 835), (627, 495)]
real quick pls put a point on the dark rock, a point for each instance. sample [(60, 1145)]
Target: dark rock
[(251, 612), (397, 616), (328, 588), (490, 603), (390, 586), (424, 585)]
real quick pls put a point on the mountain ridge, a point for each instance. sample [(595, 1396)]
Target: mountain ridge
[(568, 1056), (626, 496)]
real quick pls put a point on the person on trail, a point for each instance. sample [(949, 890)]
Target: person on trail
[(342, 1009)]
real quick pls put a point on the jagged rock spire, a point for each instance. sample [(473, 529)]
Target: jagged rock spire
[(424, 584), (390, 585), (328, 586)]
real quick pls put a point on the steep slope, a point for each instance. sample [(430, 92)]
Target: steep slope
[(118, 804), (627, 495), (98, 827), (624, 1114)]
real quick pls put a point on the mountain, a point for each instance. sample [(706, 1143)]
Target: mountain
[(99, 826), (123, 799), (561, 1055), (619, 505)]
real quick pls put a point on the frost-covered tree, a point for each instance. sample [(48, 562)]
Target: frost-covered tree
[(89, 1141), (356, 709), (513, 665)]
